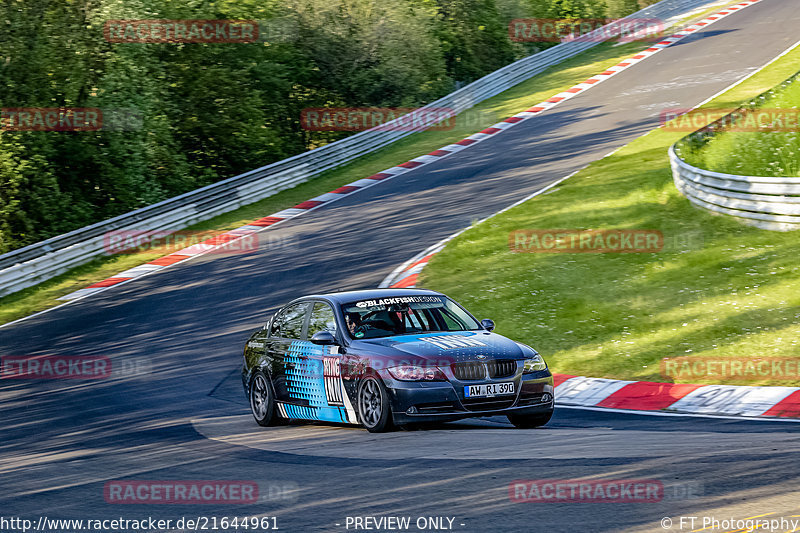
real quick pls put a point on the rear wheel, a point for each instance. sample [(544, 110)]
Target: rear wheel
[(530, 421), (262, 404), (373, 405)]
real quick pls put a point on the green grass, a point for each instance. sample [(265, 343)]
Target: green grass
[(524, 95), (754, 153), (718, 289)]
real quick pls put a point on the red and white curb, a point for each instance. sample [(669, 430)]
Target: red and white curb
[(675, 398), (226, 239), (678, 398), (406, 275)]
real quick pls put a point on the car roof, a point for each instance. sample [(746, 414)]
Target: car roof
[(344, 297)]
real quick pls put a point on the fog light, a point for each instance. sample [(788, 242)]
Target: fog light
[(411, 410), (547, 398)]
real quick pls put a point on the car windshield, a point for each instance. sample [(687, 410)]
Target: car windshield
[(403, 315)]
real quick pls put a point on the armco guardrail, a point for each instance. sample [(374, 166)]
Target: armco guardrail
[(768, 203), (32, 264), (771, 203)]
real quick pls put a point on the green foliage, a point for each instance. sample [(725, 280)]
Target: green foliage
[(473, 38), (553, 80), (202, 112), (620, 8), (572, 9)]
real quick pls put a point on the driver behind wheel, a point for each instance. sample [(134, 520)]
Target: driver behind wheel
[(353, 321)]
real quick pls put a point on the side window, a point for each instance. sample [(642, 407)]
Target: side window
[(289, 324), (452, 323), (322, 319)]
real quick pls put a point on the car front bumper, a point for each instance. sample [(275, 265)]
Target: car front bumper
[(444, 400)]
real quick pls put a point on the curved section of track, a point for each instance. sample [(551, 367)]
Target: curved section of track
[(185, 328)]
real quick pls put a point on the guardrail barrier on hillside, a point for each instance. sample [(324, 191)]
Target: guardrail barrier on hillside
[(32, 264), (771, 203)]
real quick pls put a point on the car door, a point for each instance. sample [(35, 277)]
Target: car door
[(315, 382), (286, 332), (328, 358)]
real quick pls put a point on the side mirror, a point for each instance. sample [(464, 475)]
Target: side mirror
[(323, 338), (488, 324)]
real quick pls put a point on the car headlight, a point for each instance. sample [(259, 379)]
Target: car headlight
[(534, 364), (416, 373)]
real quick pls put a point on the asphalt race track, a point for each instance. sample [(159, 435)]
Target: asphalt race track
[(181, 414)]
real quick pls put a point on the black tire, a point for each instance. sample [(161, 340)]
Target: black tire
[(530, 421), (262, 403), (374, 410)]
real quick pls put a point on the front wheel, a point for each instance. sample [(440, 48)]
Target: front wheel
[(530, 421), (373, 405), (262, 404)]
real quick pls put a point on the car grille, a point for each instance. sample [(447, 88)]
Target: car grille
[(469, 371), (473, 370), (501, 368)]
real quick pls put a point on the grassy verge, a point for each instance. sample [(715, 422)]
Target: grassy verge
[(755, 153), (718, 289), (524, 95)]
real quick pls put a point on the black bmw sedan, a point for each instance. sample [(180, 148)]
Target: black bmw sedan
[(389, 357)]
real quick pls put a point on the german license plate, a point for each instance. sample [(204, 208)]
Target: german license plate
[(489, 389)]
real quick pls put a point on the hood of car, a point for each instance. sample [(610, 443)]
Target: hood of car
[(448, 346)]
